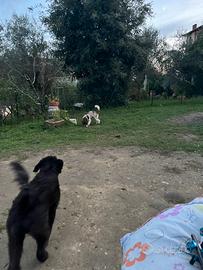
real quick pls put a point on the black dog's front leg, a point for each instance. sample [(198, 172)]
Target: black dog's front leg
[(42, 241), (52, 214), (15, 247), (43, 238)]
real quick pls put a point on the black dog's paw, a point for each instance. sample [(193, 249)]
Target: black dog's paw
[(42, 256), (11, 268), (14, 268)]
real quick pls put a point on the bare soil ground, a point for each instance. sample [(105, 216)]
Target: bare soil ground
[(192, 118), (106, 192)]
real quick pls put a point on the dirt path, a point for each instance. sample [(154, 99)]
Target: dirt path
[(105, 193)]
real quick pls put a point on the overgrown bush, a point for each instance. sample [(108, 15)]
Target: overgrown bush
[(138, 94), (68, 95), (60, 114)]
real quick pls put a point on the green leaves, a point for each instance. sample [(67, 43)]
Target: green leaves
[(98, 41), (186, 67)]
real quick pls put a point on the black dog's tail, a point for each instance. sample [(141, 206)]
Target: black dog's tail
[(21, 175)]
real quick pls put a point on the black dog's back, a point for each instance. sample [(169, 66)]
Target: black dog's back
[(33, 210), (34, 196)]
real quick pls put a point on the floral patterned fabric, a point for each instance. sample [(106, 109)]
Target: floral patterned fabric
[(161, 242)]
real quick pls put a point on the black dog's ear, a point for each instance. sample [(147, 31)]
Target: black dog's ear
[(38, 166), (43, 164), (59, 165)]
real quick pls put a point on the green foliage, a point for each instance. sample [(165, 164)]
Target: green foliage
[(55, 115), (157, 51), (68, 95), (22, 35), (101, 43), (27, 65), (6, 93), (136, 92), (64, 114), (60, 114), (185, 68)]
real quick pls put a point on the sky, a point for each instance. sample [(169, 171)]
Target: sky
[(9, 7), (170, 16), (176, 16)]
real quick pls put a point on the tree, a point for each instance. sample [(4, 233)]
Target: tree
[(27, 64), (101, 44), (185, 68), (150, 78)]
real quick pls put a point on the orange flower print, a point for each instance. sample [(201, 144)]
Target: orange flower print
[(136, 254)]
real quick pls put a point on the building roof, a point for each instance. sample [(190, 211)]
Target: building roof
[(194, 29)]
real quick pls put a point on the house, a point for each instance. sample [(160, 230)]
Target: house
[(192, 35)]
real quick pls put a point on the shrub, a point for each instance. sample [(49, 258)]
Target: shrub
[(68, 95), (60, 114)]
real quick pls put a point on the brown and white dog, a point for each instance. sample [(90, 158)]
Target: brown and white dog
[(88, 117)]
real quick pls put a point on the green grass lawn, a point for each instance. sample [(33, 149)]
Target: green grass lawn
[(137, 124)]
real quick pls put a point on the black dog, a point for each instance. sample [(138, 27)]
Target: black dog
[(33, 210)]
